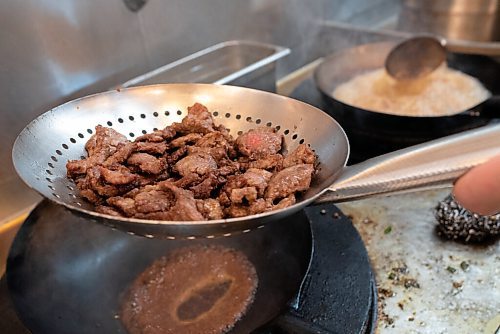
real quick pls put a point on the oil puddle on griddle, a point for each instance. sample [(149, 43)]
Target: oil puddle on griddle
[(198, 289)]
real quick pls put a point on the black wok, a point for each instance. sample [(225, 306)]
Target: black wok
[(392, 132), (60, 282), (68, 276)]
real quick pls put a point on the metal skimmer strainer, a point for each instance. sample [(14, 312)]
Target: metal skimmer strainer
[(42, 149)]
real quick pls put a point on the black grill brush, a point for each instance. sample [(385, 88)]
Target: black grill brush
[(457, 223)]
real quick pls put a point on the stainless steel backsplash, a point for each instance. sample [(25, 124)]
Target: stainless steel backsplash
[(53, 51)]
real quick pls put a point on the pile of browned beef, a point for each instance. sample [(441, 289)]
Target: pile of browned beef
[(193, 170)]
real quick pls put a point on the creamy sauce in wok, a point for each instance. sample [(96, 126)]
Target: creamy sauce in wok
[(443, 92)]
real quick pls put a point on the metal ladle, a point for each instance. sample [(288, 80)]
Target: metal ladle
[(415, 58)]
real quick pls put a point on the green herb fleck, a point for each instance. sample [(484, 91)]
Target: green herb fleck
[(464, 265), (451, 269), (392, 275), (388, 229)]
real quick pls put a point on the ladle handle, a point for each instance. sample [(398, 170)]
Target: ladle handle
[(452, 45), (430, 165), (472, 47)]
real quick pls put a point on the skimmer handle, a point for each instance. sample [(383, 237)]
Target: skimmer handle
[(433, 164)]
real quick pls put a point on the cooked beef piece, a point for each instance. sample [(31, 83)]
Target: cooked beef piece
[(121, 155), (143, 201), (147, 179), (285, 202), (301, 155), (216, 139), (154, 137), (190, 138), (202, 185), (163, 201), (104, 142), (289, 181), (100, 146), (147, 163), (197, 120), (193, 170), (210, 208), (272, 162), (177, 155), (90, 195), (188, 180), (94, 181), (185, 205), (196, 163), (117, 175), (228, 167), (205, 188), (259, 143), (218, 153), (217, 144), (247, 193), (124, 204), (255, 179), (223, 198), (222, 129), (158, 136), (152, 200), (76, 168), (241, 210), (132, 193), (107, 210), (151, 147)]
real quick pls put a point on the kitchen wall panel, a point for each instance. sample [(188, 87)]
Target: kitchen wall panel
[(51, 52)]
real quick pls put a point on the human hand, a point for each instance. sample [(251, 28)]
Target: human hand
[(479, 189)]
